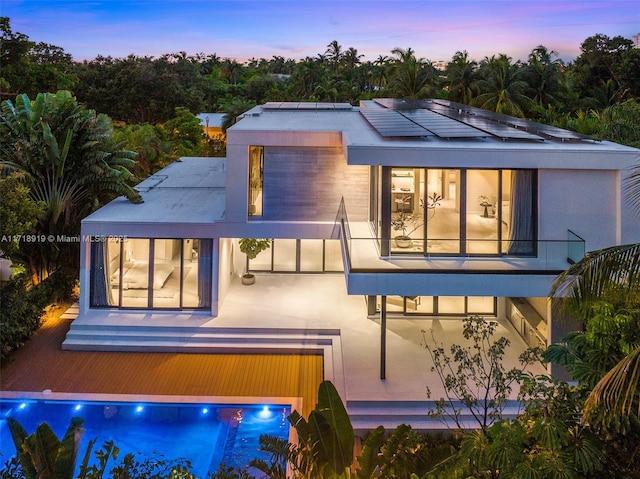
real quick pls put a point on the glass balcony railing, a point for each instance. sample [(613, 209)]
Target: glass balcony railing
[(370, 252)]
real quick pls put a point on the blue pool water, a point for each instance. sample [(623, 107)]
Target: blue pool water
[(205, 434)]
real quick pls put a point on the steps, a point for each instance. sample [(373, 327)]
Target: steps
[(197, 339), (367, 415)]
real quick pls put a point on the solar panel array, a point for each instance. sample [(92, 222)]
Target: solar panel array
[(443, 126), (305, 105), (390, 123), (450, 120)]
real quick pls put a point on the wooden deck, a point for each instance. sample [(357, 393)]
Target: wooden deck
[(41, 364)]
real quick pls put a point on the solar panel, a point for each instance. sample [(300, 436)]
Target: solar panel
[(305, 105), (443, 126), (533, 127), (500, 130), (400, 103), (390, 123)]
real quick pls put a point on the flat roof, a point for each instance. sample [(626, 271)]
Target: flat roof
[(215, 119), (508, 146), (190, 190)]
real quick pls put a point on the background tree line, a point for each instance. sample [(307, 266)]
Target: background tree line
[(147, 90)]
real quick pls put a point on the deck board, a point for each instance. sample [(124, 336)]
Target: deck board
[(41, 364)]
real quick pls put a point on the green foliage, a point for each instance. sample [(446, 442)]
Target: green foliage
[(474, 377), (252, 247), (143, 89), (18, 213), (23, 307), (233, 109), (548, 440), (29, 67), (502, 87), (12, 469), (601, 68), (185, 134), (70, 164), (224, 472), (404, 453), (325, 442), (610, 334), (152, 151), (20, 316), (44, 456)]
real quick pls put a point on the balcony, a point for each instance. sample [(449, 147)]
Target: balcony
[(490, 266)]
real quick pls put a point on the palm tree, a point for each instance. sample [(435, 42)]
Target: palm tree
[(379, 74), (306, 75), (502, 87), (411, 77), (543, 74), (231, 70), (334, 54), (611, 274), (460, 77), (351, 58)]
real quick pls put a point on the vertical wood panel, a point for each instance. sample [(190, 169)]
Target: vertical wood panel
[(307, 183)]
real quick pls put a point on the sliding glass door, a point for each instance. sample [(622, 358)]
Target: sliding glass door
[(462, 212), (148, 273)]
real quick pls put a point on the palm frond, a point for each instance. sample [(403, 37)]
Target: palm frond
[(608, 274), (618, 392), (632, 189)]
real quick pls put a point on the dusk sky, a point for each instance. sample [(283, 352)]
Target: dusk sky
[(295, 29)]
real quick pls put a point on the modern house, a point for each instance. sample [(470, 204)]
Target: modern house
[(426, 208)]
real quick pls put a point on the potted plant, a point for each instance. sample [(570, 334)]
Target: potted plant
[(252, 247), (401, 223), (404, 221)]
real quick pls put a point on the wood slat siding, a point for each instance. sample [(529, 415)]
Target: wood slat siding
[(41, 364), (307, 183)]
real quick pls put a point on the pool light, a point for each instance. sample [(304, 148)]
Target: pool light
[(205, 411), (139, 409), (78, 407), (264, 413)]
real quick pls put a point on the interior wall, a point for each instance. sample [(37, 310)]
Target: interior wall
[(226, 267)]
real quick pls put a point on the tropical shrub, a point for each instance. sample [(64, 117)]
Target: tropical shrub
[(403, 453), (474, 378), (325, 442), (70, 164), (24, 305)]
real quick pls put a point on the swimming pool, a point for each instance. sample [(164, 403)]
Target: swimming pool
[(205, 434)]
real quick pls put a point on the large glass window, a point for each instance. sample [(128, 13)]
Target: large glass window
[(462, 212), (481, 223), (256, 176), (151, 273), (300, 256), (441, 305), (443, 211)]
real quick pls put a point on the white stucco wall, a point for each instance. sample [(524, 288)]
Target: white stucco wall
[(584, 201)]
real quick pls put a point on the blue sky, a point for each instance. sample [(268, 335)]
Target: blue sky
[(295, 29)]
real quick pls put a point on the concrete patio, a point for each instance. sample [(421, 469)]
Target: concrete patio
[(309, 314)]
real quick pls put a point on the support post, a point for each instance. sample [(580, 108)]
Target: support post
[(383, 338)]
